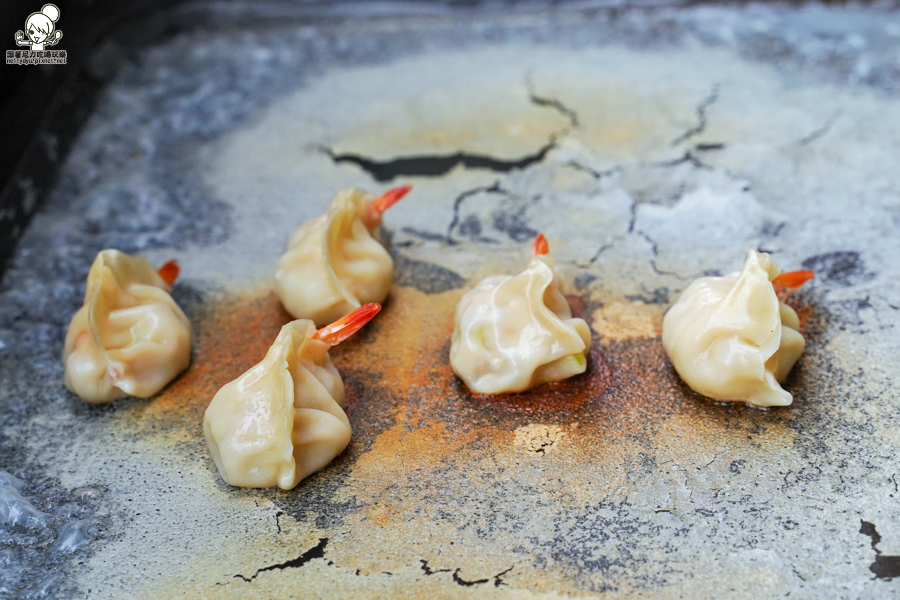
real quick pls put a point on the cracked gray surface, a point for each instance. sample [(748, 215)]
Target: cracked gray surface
[(650, 146)]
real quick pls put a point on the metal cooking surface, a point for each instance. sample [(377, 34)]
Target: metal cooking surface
[(650, 145)]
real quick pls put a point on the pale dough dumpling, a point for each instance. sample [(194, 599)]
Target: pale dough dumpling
[(129, 338), (283, 419), (335, 263), (731, 339), (516, 332)]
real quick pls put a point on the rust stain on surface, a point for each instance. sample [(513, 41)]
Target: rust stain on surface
[(397, 374), (415, 362), (231, 334), (437, 474), (799, 304), (401, 359), (429, 486)]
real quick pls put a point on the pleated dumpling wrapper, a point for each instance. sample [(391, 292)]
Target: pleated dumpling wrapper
[(129, 338), (516, 332), (731, 338), (335, 264), (284, 418)]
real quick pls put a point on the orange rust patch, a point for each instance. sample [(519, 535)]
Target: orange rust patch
[(408, 346), (397, 371), (431, 465), (404, 343), (577, 304), (401, 359), (801, 307), (231, 335), (405, 348)]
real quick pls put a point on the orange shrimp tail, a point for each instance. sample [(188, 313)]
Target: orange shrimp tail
[(540, 246), (388, 199), (169, 271), (346, 326), (791, 280)]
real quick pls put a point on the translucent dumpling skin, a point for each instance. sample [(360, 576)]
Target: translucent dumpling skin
[(129, 338), (334, 264), (514, 333), (731, 339), (283, 419)]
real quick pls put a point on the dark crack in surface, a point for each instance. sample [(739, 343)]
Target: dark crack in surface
[(687, 158), (702, 119), (821, 131), (472, 230), (551, 103), (317, 551), (459, 580), (437, 165), (596, 174), (884, 567)]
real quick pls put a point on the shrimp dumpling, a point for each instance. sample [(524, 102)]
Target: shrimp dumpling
[(335, 263), (129, 338), (731, 339), (284, 418), (516, 332)]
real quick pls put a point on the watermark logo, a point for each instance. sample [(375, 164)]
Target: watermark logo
[(40, 32)]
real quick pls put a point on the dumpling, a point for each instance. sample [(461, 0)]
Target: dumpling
[(335, 264), (731, 339), (516, 332), (284, 419), (129, 338)]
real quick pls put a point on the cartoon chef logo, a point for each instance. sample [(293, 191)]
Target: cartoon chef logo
[(40, 29)]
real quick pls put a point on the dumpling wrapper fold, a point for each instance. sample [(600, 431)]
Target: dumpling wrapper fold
[(334, 264), (129, 337), (731, 339), (516, 332), (283, 419)]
